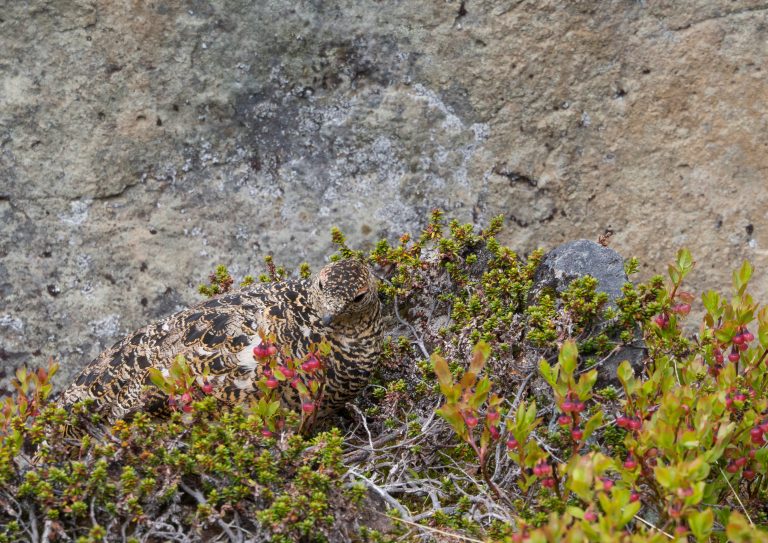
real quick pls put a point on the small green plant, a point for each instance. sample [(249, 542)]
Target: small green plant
[(470, 408)]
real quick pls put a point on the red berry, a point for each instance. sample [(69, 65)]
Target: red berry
[(311, 364), (733, 356), (748, 474), (731, 467), (294, 383), (682, 309), (622, 421), (549, 482), (607, 483), (492, 416), (741, 461), (266, 432), (577, 434), (272, 383), (630, 463), (186, 398), (271, 350), (743, 347), (207, 388), (719, 356), (738, 339), (635, 424), (590, 516), (186, 408), (564, 420), (578, 407), (512, 443), (308, 407), (542, 469), (494, 432), (470, 420), (260, 351), (756, 432), (287, 372), (748, 336), (567, 406), (634, 496)]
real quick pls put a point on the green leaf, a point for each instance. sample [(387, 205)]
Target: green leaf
[(664, 475), (444, 376), (548, 373), (568, 357), (481, 393), (711, 301), (726, 332), (585, 384), (738, 529), (480, 354), (530, 415), (581, 477), (451, 413), (467, 380), (592, 424), (628, 512), (674, 275), (742, 276), (157, 378), (684, 260), (762, 326)]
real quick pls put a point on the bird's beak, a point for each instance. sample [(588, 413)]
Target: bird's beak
[(327, 319)]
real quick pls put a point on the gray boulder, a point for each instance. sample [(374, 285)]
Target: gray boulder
[(582, 257)]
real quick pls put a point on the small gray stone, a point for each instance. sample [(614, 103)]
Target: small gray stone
[(582, 257), (577, 259)]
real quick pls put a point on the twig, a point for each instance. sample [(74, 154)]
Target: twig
[(365, 424), (435, 530), (202, 501), (737, 497), (653, 527), (383, 493), (416, 338), (520, 390)]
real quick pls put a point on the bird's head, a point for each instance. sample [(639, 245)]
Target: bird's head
[(345, 291)]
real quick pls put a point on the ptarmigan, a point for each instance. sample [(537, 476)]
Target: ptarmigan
[(339, 305)]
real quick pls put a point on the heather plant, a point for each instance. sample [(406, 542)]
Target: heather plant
[(484, 421)]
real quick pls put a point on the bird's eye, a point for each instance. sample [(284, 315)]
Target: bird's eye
[(359, 298), (320, 284)]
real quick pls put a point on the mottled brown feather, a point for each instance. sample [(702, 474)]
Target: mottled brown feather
[(339, 305)]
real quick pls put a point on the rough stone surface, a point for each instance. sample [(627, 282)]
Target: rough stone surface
[(143, 142), (578, 258), (582, 257)]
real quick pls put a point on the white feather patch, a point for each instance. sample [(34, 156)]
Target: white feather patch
[(245, 357), (242, 384)]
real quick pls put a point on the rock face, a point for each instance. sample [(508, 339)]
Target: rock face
[(143, 142), (576, 259)]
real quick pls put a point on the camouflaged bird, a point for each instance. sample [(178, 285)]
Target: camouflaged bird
[(339, 305)]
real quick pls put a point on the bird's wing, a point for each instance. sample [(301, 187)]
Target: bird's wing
[(210, 336)]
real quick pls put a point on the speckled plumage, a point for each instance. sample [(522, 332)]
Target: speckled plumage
[(339, 305)]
